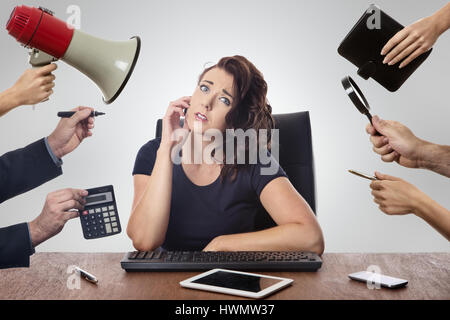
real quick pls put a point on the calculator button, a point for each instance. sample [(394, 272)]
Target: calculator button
[(99, 215), (91, 211), (106, 220), (108, 228), (93, 222), (113, 218), (114, 224), (102, 233), (115, 230), (98, 210), (104, 209), (87, 224), (89, 235), (85, 218), (85, 212), (111, 207), (112, 213), (92, 217), (88, 229), (102, 227), (105, 214)]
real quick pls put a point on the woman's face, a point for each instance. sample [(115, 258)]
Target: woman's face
[(211, 101)]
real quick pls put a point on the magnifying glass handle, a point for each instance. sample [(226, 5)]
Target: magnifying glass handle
[(369, 116)]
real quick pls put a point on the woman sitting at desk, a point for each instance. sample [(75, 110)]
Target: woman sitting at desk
[(211, 204)]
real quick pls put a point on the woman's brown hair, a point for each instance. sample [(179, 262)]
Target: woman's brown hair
[(250, 109)]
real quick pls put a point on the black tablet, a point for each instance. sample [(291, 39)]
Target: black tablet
[(363, 44)]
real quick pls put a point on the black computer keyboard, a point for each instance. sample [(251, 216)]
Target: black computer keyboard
[(240, 260)]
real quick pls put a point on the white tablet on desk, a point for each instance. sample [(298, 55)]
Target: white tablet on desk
[(250, 285)]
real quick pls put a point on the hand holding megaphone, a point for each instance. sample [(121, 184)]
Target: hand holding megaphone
[(108, 63), (34, 85)]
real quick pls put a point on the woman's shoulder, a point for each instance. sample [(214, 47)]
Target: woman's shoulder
[(151, 146), (146, 157)]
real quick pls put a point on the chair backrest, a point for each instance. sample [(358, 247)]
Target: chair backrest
[(295, 157)]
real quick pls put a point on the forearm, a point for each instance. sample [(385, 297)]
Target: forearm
[(287, 237), (442, 18), (150, 217), (436, 158), (8, 101), (434, 214)]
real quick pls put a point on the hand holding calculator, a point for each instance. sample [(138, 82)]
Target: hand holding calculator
[(100, 217)]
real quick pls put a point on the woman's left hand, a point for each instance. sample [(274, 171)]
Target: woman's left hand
[(394, 195)]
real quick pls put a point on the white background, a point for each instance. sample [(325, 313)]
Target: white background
[(294, 44)]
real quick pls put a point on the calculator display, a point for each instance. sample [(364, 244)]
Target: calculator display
[(99, 198)]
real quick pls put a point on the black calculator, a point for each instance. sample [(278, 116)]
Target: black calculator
[(100, 217)]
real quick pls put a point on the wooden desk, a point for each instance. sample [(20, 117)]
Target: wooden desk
[(428, 275)]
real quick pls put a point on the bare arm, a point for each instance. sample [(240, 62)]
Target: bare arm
[(151, 205), (436, 158), (8, 102), (150, 213), (297, 228), (434, 214)]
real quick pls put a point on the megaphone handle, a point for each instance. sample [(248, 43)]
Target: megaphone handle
[(39, 59)]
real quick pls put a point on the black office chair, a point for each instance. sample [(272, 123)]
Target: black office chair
[(295, 157)]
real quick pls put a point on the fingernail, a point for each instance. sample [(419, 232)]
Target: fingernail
[(401, 66), (84, 193), (390, 63), (385, 60)]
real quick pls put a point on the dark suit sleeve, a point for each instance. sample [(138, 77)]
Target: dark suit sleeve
[(24, 169), (15, 246), (20, 171)]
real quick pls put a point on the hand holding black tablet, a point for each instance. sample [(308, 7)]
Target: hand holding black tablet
[(363, 44)]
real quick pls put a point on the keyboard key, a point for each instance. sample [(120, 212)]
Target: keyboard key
[(106, 220), (113, 218), (104, 209), (132, 255), (114, 224), (112, 213), (91, 211), (141, 255), (97, 210), (111, 207), (108, 228), (115, 230), (105, 214)]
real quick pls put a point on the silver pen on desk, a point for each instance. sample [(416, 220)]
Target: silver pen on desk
[(86, 275)]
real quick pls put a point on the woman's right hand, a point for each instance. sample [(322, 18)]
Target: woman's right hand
[(171, 121)]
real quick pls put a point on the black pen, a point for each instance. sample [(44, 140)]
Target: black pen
[(68, 114)]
